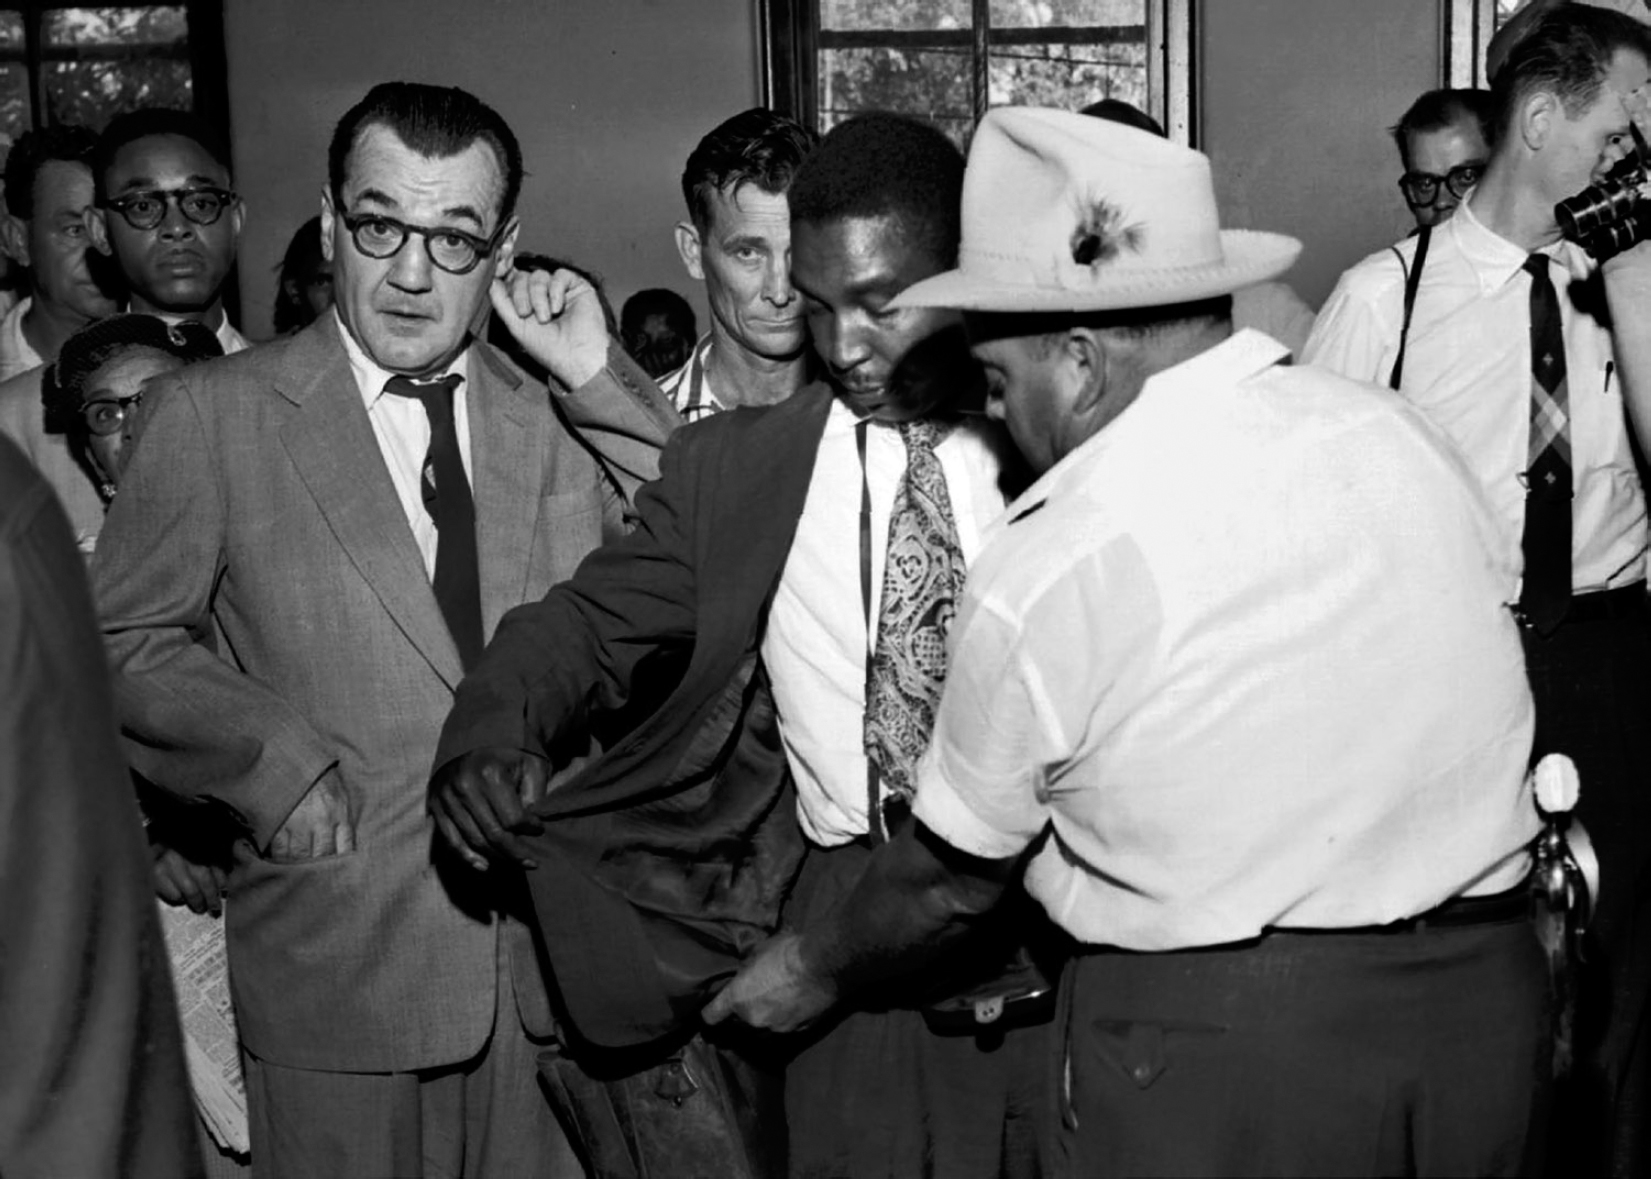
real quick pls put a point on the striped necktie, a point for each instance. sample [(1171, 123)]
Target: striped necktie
[(1545, 594)]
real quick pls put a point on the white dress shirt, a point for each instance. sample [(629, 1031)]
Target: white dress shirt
[(403, 432), (230, 340), (1468, 367), (1246, 649), (817, 640)]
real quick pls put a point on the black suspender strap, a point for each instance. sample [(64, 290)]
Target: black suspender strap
[(874, 785), (1413, 280)]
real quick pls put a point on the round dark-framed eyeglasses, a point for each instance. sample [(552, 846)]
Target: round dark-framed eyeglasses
[(146, 208), (1422, 188), (452, 250), (107, 415)]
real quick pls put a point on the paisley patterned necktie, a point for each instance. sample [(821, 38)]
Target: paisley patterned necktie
[(922, 580)]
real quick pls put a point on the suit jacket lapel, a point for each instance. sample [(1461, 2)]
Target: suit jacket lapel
[(508, 444), (759, 479), (332, 445), (765, 475)]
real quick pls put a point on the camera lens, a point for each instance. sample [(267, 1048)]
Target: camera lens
[(1605, 218)]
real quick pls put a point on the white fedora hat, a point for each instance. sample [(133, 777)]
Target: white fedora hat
[(1065, 212)]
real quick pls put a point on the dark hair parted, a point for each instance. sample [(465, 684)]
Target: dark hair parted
[(69, 144), (885, 165), (63, 384), (437, 122), (1439, 109), (153, 121), (1567, 53), (754, 147)]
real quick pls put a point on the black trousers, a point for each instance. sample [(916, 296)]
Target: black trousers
[(875, 1094), (1426, 1052), (1592, 683)]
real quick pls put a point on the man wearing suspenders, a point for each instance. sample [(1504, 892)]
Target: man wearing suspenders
[(1496, 328)]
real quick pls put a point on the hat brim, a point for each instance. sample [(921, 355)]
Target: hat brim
[(1251, 256)]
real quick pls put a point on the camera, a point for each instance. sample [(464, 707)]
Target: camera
[(1607, 218)]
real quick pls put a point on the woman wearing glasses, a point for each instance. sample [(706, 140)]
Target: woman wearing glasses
[(92, 394), (93, 391)]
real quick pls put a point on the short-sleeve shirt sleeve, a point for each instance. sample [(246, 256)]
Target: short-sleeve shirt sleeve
[(980, 784)]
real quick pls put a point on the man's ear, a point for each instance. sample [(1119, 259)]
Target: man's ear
[(1083, 363), (239, 217), (327, 216), (14, 239), (505, 256), (1536, 118), (97, 228), (689, 246)]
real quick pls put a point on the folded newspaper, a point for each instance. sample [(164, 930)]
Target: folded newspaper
[(200, 972)]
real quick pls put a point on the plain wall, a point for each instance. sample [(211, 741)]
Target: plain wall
[(607, 96), (1296, 97)]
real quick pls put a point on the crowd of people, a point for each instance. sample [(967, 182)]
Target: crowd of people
[(1019, 695)]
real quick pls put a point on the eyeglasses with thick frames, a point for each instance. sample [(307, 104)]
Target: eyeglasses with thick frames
[(146, 208), (452, 250), (1422, 188), (107, 415)]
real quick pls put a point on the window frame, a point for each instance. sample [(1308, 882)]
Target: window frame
[(789, 40), (208, 67), (1465, 34)]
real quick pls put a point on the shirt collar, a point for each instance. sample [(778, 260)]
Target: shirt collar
[(370, 377), (1495, 260), (228, 338), (1239, 357)]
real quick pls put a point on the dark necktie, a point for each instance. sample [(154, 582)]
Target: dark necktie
[(1545, 594), (922, 580), (447, 498)]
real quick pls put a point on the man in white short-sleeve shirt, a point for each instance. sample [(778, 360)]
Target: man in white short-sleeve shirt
[(1559, 469), (1234, 682)]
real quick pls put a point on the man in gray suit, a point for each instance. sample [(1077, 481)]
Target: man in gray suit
[(311, 543)]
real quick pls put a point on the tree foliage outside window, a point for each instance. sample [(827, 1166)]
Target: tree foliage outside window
[(949, 60), (88, 64)]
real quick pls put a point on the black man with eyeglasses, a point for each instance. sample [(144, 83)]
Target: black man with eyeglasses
[(350, 510), (1443, 142), (168, 216)]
